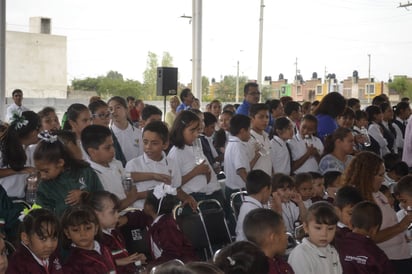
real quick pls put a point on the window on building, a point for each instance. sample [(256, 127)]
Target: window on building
[(319, 90), (370, 89), (298, 90)]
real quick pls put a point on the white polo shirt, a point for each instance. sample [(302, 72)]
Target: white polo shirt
[(237, 155), (290, 214), (264, 162), (247, 206), (185, 159), (280, 156), (298, 149), (111, 177), (165, 166), (130, 140)]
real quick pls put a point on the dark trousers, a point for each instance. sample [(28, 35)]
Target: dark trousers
[(402, 266)]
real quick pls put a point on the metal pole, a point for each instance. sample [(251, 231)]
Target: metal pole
[(2, 59), (237, 83), (369, 78), (259, 75), (197, 48)]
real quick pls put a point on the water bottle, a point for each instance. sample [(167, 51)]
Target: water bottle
[(127, 182), (140, 269), (367, 140), (198, 151), (308, 140), (31, 188)]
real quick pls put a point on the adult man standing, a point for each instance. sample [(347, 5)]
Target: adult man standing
[(17, 106), (252, 96), (187, 98)]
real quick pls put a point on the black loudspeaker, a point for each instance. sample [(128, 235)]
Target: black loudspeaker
[(166, 81)]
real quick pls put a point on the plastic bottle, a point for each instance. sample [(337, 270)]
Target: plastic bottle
[(140, 269), (127, 182), (367, 140), (308, 140), (31, 188)]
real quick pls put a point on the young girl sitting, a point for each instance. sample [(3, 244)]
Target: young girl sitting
[(315, 254), (39, 239), (63, 178), (167, 241), (106, 206), (81, 226)]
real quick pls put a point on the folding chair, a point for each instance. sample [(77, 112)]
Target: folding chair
[(236, 200), (10, 249), (292, 243)]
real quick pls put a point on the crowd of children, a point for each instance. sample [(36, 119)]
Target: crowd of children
[(333, 174)]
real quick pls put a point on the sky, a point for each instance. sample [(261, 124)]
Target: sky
[(325, 36)]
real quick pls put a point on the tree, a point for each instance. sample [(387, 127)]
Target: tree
[(225, 91), (402, 85), (150, 75), (167, 60), (114, 75), (206, 96)]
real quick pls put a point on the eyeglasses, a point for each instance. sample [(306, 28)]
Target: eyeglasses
[(102, 115)]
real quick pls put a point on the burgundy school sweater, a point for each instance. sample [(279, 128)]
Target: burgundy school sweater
[(22, 261), (279, 266)]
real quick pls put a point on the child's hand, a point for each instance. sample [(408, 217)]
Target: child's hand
[(296, 198), (122, 221), (406, 221), (203, 168), (73, 197), (27, 170), (167, 179), (190, 201), (313, 151), (332, 192), (131, 259)]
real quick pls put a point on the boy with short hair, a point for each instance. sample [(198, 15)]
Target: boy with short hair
[(206, 138), (259, 188), (266, 229), (331, 180), (149, 114), (403, 194), (154, 167), (304, 186), (359, 253), (293, 111), (259, 141), (305, 147)]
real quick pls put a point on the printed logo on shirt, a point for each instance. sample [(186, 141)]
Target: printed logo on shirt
[(82, 183), (57, 264), (356, 259)]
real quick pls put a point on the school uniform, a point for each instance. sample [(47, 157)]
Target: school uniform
[(52, 193), (96, 261), (280, 156), (24, 261), (248, 205), (208, 149), (264, 162), (360, 254), (130, 140), (237, 156), (374, 130), (165, 166), (307, 258), (330, 163), (340, 235), (279, 266), (298, 149), (290, 215), (114, 241), (111, 177), (408, 233), (10, 213), (407, 146), (167, 242)]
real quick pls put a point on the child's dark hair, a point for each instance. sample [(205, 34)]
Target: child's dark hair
[(94, 106), (95, 199), (399, 107), (45, 112), (239, 122), (329, 178), (167, 205), (52, 152), (75, 216), (315, 175), (228, 112), (209, 119), (301, 178), (280, 124), (310, 118), (242, 258), (41, 222), (183, 120), (203, 268), (160, 128), (348, 113), (384, 189), (280, 180), (93, 136), (259, 222), (352, 102), (72, 113), (405, 185), (339, 134), (150, 110), (12, 150), (322, 213), (257, 180), (372, 111), (366, 215), (290, 107), (347, 196), (360, 114), (255, 108), (273, 104), (118, 99)]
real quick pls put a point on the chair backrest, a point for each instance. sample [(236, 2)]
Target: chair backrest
[(236, 200), (10, 249), (292, 243), (215, 222), (194, 229)]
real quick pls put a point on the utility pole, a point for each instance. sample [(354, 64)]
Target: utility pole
[(259, 74), (237, 82), (2, 58), (369, 78), (197, 48), (296, 71)]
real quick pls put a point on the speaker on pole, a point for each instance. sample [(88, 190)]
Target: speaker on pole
[(166, 81)]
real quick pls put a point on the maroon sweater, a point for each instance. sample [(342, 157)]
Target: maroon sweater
[(359, 254), (115, 243), (279, 266), (170, 239), (22, 261), (89, 261)]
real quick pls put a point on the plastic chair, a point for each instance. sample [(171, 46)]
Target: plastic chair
[(236, 200), (292, 243), (10, 248)]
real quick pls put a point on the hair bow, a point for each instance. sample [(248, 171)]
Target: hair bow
[(162, 190), (18, 121), (47, 136), (26, 211)]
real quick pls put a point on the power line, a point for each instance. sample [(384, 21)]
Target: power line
[(405, 5)]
